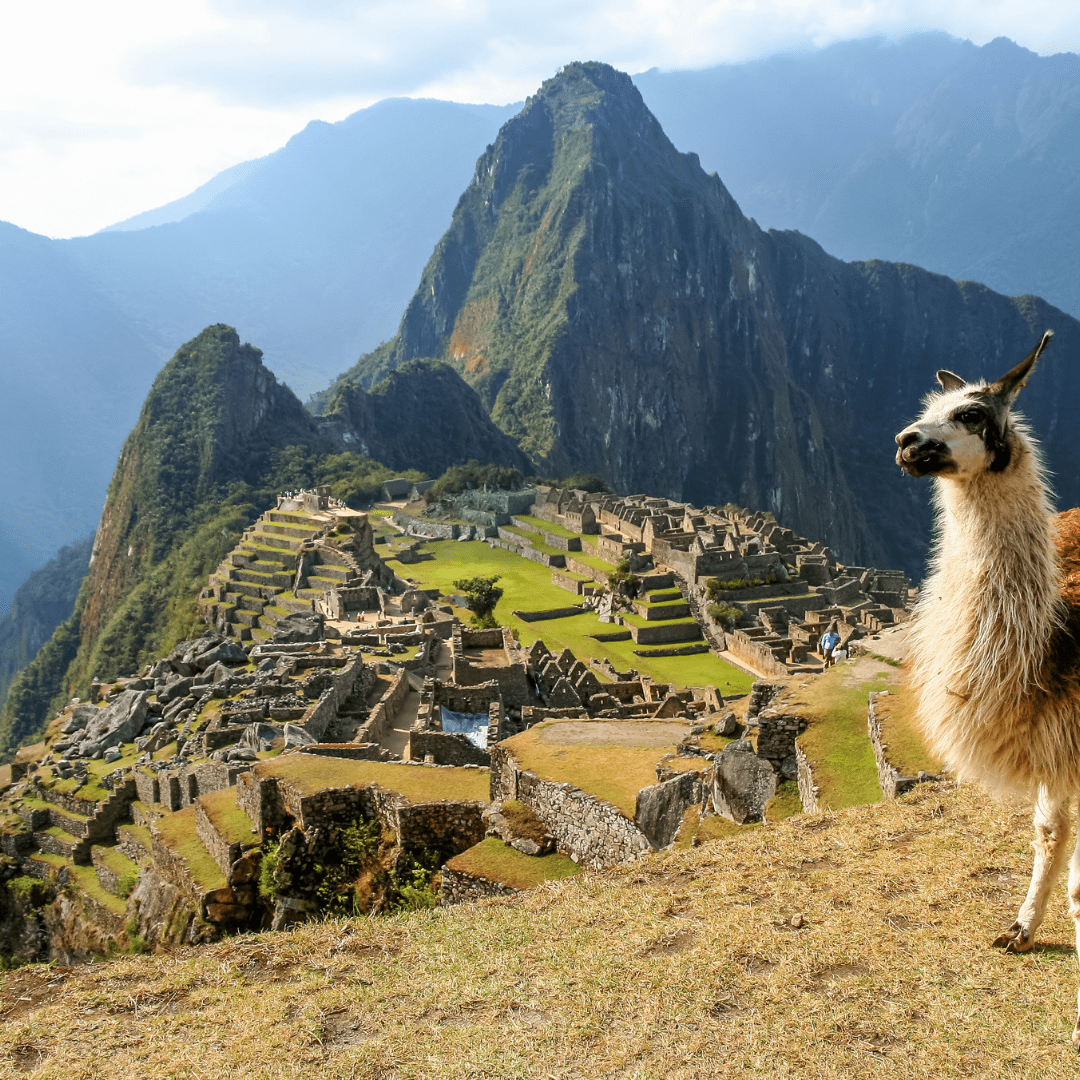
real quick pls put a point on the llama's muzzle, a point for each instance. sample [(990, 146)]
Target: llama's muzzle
[(920, 456)]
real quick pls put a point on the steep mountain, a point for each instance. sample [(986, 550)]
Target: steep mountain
[(40, 605), (217, 439), (421, 416), (618, 314), (928, 150), (313, 251)]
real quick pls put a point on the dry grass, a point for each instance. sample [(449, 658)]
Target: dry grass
[(683, 966), (310, 774), (904, 746), (607, 770)]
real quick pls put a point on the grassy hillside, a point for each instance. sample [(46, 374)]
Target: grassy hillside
[(683, 966)]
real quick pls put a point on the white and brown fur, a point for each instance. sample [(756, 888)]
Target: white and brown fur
[(994, 649)]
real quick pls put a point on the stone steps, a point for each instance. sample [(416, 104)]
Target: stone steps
[(267, 579), (273, 540)]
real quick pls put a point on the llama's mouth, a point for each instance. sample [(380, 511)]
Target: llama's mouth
[(925, 459)]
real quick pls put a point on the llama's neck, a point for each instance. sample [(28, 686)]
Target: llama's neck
[(995, 597)]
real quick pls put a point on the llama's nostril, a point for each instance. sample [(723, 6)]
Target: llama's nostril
[(906, 438)]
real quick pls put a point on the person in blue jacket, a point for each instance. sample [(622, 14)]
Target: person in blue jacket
[(829, 642)]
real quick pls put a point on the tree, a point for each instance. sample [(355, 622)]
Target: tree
[(481, 596)]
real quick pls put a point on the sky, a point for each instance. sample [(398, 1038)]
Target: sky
[(116, 107)]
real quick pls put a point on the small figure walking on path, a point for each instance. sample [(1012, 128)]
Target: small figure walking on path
[(829, 641)]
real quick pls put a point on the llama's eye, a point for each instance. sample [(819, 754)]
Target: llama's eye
[(970, 415)]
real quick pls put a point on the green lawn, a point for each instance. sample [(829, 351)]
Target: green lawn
[(527, 586), (548, 526), (496, 861), (87, 880)]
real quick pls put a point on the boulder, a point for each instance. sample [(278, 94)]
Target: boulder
[(724, 722), (299, 627), (176, 688), (261, 736), (81, 715), (119, 722), (660, 807), (742, 783), (295, 735), (225, 652)]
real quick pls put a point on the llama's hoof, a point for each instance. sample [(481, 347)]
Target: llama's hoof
[(1017, 939)]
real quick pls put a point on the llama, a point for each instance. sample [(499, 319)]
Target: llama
[(994, 659)]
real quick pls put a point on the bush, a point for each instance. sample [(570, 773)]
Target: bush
[(473, 475), (415, 886), (726, 615), (716, 587)]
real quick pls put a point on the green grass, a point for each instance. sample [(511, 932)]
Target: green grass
[(310, 774), (116, 861), (231, 823), (836, 740), (904, 747), (785, 803), (496, 861), (527, 586), (632, 619), (549, 526), (94, 790), (534, 541), (87, 880), (613, 773), (178, 832)]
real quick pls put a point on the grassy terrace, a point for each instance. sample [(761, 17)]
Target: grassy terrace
[(632, 619), (309, 774), (527, 586), (607, 770), (904, 746), (496, 861), (231, 823), (178, 832), (116, 861), (548, 526), (535, 541), (87, 880), (836, 741)]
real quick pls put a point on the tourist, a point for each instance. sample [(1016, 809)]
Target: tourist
[(829, 641)]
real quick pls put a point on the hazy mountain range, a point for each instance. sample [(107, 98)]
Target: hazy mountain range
[(928, 150)]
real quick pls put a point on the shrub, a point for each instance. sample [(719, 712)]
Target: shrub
[(726, 615)]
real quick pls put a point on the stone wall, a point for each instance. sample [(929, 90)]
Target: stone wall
[(381, 719), (893, 783), (323, 713), (755, 653), (448, 826), (777, 732), (808, 790), (549, 613), (446, 748), (459, 888), (591, 831), (222, 852)]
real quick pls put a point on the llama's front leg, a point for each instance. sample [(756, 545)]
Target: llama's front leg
[(1051, 839), (1074, 911)]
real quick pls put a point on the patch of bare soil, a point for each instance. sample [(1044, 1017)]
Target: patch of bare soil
[(672, 943)]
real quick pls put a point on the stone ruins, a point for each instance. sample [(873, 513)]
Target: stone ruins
[(330, 690)]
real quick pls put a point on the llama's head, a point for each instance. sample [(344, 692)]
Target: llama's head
[(964, 430)]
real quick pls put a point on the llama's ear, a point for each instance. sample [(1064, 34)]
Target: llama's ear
[(949, 380), (1008, 386)]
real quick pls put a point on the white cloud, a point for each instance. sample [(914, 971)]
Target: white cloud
[(113, 108)]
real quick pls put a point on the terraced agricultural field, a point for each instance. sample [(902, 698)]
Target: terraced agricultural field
[(527, 586)]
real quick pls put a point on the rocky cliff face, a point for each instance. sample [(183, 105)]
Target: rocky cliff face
[(618, 314), (213, 415), (421, 416)]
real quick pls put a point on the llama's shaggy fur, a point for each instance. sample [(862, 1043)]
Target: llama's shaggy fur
[(994, 648)]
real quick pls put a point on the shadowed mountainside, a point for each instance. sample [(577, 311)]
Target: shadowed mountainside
[(618, 314)]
